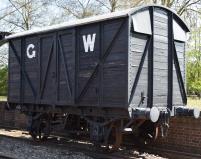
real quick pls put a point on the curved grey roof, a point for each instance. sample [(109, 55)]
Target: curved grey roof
[(93, 19)]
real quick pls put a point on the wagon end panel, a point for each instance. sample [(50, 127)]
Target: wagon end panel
[(168, 59), (138, 70), (160, 57), (157, 59), (179, 79), (101, 62)]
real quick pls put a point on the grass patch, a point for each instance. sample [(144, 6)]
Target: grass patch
[(3, 98)]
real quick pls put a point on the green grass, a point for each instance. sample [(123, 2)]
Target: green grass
[(194, 102), (3, 98)]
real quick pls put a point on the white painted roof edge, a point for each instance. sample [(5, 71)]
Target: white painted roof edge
[(83, 21)]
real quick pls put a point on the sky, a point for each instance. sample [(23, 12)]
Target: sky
[(3, 3)]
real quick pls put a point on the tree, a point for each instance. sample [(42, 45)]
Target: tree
[(78, 8), (3, 55), (25, 14), (110, 5), (113, 5), (21, 15), (180, 6), (194, 72)]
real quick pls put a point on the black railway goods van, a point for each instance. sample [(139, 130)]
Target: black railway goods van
[(107, 73)]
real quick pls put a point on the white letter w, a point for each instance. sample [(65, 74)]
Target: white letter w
[(89, 42)]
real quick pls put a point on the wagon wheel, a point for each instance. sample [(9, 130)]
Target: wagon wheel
[(40, 129), (154, 134), (150, 133), (115, 137), (118, 138)]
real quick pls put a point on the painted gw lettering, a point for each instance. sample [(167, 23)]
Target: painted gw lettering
[(31, 53), (89, 42)]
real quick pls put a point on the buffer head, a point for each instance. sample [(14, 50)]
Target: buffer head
[(154, 114)]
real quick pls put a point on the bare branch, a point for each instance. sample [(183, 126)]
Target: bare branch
[(77, 8), (197, 11), (11, 12), (17, 9), (103, 4), (17, 24)]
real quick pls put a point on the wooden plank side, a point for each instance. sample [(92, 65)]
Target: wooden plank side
[(160, 74), (114, 72), (31, 67), (180, 49), (87, 89), (102, 73), (14, 73), (47, 91), (137, 47), (52, 71), (66, 67)]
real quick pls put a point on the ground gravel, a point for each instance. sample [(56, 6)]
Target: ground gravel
[(18, 145), (23, 150)]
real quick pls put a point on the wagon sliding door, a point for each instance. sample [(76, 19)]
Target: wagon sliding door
[(57, 68)]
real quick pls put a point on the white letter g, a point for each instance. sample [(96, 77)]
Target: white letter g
[(31, 54)]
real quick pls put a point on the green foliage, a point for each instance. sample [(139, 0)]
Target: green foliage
[(3, 80), (194, 72)]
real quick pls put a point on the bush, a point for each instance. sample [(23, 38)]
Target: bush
[(194, 72), (3, 81)]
